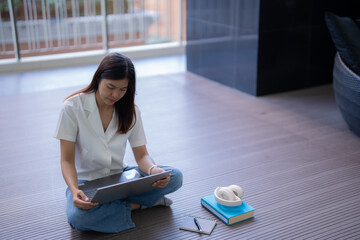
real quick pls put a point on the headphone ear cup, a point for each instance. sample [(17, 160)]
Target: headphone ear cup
[(226, 194), (237, 190)]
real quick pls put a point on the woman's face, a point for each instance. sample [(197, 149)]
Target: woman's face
[(111, 91)]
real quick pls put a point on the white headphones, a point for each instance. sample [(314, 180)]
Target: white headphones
[(229, 196)]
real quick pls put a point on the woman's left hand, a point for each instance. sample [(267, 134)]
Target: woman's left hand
[(162, 182)]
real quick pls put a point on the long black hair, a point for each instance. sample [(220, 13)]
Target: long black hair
[(116, 66)]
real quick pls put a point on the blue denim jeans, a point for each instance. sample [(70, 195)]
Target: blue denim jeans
[(116, 216)]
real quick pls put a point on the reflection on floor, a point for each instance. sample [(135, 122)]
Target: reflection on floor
[(17, 83)]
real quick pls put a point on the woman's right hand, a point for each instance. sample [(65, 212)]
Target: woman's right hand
[(80, 200)]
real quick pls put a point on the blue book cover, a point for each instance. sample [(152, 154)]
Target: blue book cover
[(229, 215)]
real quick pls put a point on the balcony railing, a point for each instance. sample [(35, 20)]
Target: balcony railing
[(40, 27)]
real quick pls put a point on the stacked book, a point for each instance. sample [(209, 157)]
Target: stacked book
[(229, 215)]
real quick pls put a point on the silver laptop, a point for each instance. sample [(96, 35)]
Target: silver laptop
[(119, 186)]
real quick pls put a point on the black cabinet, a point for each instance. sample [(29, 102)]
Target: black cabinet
[(263, 46)]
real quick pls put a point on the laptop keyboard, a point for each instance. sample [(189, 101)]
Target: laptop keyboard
[(90, 192)]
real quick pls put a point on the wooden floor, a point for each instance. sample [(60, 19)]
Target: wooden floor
[(292, 153)]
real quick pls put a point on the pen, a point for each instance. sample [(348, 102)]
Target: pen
[(198, 225)]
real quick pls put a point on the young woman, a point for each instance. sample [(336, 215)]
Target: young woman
[(94, 126)]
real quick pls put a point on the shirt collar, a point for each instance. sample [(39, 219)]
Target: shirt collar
[(90, 102), (93, 116)]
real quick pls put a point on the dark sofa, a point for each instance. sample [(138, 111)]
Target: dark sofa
[(345, 34)]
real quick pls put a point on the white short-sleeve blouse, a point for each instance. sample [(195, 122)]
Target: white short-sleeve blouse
[(97, 153)]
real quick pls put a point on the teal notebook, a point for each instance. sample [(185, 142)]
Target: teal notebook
[(229, 215)]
